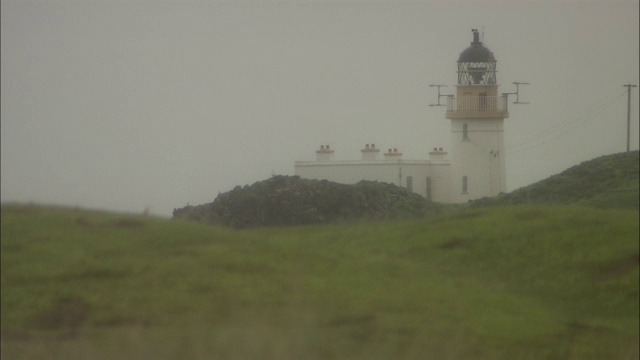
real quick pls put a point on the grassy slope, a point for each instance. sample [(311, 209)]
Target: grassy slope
[(553, 282), (609, 181)]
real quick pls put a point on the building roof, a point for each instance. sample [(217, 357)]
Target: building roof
[(476, 52)]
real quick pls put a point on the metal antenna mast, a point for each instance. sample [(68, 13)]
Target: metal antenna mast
[(440, 95), (517, 93), (628, 86)]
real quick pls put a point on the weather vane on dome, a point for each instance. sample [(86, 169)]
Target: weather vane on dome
[(476, 36)]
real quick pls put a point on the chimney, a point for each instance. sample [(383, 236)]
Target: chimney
[(325, 154), (393, 154), (370, 153), (437, 155)]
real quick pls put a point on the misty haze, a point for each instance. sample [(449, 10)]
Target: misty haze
[(133, 106), (307, 179)]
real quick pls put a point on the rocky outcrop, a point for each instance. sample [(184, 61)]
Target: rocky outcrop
[(290, 200)]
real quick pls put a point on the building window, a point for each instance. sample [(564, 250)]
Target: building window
[(410, 183), (464, 184), (465, 131), (428, 187)]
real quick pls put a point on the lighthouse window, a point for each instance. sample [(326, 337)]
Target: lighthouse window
[(465, 131), (464, 184)]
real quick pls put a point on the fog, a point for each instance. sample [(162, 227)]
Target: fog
[(134, 105)]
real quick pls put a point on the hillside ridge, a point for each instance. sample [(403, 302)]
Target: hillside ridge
[(609, 181)]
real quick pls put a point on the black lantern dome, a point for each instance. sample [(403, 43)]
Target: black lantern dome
[(476, 64)]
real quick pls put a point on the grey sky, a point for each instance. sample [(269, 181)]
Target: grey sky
[(127, 105)]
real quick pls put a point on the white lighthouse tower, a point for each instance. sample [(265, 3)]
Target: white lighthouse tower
[(477, 115)]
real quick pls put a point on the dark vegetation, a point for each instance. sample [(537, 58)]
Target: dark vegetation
[(609, 181), (290, 200)]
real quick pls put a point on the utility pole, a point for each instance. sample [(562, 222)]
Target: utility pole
[(628, 86)]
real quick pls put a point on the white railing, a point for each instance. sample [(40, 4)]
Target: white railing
[(477, 103)]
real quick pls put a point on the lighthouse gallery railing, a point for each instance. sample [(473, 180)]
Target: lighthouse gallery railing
[(477, 103)]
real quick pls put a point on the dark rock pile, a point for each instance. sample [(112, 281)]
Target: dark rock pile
[(290, 200)]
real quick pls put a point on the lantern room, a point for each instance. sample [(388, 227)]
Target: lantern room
[(476, 64), (477, 90)]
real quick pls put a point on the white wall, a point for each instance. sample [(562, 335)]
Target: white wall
[(394, 172), (441, 182), (480, 157)]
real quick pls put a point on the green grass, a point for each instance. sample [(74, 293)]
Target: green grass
[(609, 181), (520, 282)]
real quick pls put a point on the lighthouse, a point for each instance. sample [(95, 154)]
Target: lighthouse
[(472, 168), (477, 114)]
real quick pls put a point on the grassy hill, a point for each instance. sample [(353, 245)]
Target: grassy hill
[(516, 282), (609, 181)]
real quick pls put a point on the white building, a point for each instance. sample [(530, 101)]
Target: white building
[(476, 166)]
